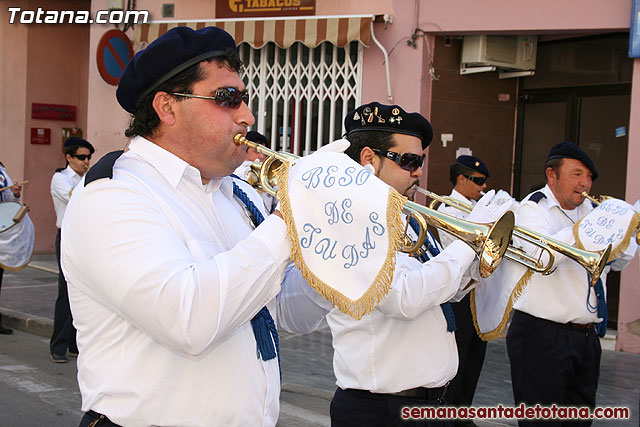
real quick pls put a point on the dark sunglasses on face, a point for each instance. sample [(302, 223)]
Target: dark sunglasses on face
[(477, 180), (81, 156), (407, 161), (228, 97)]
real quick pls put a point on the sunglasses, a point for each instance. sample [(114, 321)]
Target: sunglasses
[(478, 180), (407, 161), (228, 97), (81, 156)]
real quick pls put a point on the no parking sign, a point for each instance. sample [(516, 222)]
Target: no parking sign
[(113, 54)]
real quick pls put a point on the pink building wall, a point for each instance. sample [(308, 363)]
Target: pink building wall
[(12, 94), (629, 316), (43, 64)]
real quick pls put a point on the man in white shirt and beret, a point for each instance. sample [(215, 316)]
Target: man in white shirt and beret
[(77, 153), (403, 354), (553, 340), (169, 273), (469, 176)]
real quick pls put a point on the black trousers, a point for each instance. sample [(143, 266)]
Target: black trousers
[(91, 417), (1, 274), (471, 352), (64, 334), (358, 408), (553, 363)]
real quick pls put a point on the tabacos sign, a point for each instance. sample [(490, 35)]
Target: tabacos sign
[(258, 8)]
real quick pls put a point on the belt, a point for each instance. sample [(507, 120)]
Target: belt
[(423, 393), (99, 420), (580, 326)]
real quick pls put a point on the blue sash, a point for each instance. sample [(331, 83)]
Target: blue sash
[(447, 310), (264, 328)]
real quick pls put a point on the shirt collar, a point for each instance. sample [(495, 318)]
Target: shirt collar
[(552, 201), (457, 195), (69, 171), (173, 168)]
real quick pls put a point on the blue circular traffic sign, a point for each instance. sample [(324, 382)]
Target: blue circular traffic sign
[(113, 54)]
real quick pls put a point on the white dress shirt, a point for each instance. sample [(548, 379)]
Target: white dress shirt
[(5, 181), (446, 238), (404, 342), (164, 276), (62, 184), (561, 296), (473, 273)]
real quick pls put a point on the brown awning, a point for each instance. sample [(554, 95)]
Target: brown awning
[(311, 31)]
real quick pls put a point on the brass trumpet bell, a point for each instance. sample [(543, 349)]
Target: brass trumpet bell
[(592, 261), (489, 241), (262, 176)]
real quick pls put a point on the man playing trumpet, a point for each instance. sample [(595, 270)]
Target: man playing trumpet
[(403, 353), (469, 177), (553, 342), (169, 273)]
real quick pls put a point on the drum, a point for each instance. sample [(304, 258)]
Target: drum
[(17, 236), (11, 213)]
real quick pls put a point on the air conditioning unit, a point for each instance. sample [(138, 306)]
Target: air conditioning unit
[(486, 53)]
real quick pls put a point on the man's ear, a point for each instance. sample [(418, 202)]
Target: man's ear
[(368, 157), (551, 175), (67, 157), (163, 105)]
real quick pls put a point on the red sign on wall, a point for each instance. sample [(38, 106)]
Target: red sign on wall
[(256, 8), (53, 112), (40, 136)]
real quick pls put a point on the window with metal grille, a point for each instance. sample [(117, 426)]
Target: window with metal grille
[(301, 95)]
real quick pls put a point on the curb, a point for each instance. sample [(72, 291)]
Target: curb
[(27, 322), (308, 391), (42, 268)]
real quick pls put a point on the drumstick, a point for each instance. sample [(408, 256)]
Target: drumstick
[(17, 183)]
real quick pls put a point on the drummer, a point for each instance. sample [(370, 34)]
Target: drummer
[(8, 194)]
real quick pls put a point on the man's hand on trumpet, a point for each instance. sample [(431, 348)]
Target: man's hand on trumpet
[(489, 209)]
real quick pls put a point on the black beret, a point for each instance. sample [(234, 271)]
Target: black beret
[(173, 52), (570, 150), (75, 142), (474, 164), (388, 118), (256, 137)]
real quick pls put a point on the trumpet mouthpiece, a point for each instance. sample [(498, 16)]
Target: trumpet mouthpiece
[(239, 139), (421, 190)]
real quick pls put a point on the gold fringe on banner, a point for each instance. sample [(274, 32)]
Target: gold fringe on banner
[(634, 225), (515, 294), (381, 284)]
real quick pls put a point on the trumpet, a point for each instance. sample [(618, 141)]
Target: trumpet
[(592, 261), (595, 200), (489, 241), (262, 175)]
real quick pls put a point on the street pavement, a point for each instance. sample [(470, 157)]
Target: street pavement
[(34, 391)]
